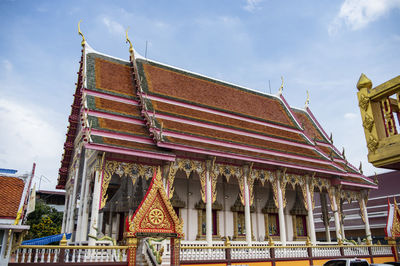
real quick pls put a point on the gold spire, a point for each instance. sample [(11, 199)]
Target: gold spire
[(281, 88), (307, 100), (364, 82), (129, 41), (80, 33)]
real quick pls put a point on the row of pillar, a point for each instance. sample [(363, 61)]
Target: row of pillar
[(82, 220), (339, 228), (71, 204)]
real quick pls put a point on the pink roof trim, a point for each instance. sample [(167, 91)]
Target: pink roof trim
[(110, 97), (241, 147), (203, 109), (234, 131), (145, 154), (116, 117), (241, 157)]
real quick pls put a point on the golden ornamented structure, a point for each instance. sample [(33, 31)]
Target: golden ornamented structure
[(379, 108)]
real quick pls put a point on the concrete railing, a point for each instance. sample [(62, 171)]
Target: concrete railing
[(195, 252), (69, 254)]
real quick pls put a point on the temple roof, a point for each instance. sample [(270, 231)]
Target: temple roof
[(149, 109), (11, 189)]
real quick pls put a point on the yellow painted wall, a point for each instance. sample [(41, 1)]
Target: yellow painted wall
[(383, 259), (293, 263), (320, 262), (254, 263)]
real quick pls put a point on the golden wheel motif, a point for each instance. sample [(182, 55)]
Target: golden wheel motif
[(156, 216)]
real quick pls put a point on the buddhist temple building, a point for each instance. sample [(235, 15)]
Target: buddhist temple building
[(236, 162)]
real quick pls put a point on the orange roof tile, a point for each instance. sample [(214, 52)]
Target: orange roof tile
[(11, 189)]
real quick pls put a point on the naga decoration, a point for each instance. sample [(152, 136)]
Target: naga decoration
[(307, 100), (80, 33), (131, 170), (281, 87)]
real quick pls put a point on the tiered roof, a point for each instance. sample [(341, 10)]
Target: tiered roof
[(148, 109)]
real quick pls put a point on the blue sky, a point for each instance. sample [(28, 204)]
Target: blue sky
[(317, 45)]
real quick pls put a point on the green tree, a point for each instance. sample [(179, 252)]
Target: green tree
[(44, 221)]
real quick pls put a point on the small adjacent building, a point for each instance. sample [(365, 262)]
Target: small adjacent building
[(55, 199), (12, 195)]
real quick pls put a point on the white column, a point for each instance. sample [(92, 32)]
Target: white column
[(95, 208), (336, 217), (313, 238), (85, 212), (282, 226), (73, 205), (367, 228), (81, 200), (65, 215), (208, 205), (247, 210)]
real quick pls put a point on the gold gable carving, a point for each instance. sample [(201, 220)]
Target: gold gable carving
[(155, 214)]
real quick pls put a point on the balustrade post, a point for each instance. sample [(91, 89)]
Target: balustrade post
[(310, 255), (227, 251), (61, 255), (370, 254), (271, 249), (132, 243), (341, 251), (175, 251)]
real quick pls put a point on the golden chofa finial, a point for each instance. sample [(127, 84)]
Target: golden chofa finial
[(80, 33), (281, 88), (307, 100), (364, 82), (129, 41)]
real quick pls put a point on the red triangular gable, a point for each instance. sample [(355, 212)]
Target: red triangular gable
[(155, 215)]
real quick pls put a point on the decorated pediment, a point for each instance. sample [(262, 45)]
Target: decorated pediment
[(155, 215)]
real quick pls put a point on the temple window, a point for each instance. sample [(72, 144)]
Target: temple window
[(239, 220), (301, 225), (202, 220), (299, 218), (271, 218)]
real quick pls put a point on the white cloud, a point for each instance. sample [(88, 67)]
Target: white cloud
[(113, 26), (350, 115), (357, 14), (28, 137), (252, 5)]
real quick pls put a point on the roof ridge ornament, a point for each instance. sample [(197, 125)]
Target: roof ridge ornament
[(80, 33), (129, 41), (307, 100), (360, 168), (281, 88)]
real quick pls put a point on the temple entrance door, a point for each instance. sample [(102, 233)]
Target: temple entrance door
[(155, 217)]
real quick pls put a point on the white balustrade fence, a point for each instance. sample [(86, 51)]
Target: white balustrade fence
[(250, 253), (355, 250), (73, 254), (198, 254), (194, 251), (381, 250), (326, 251), (291, 252)]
